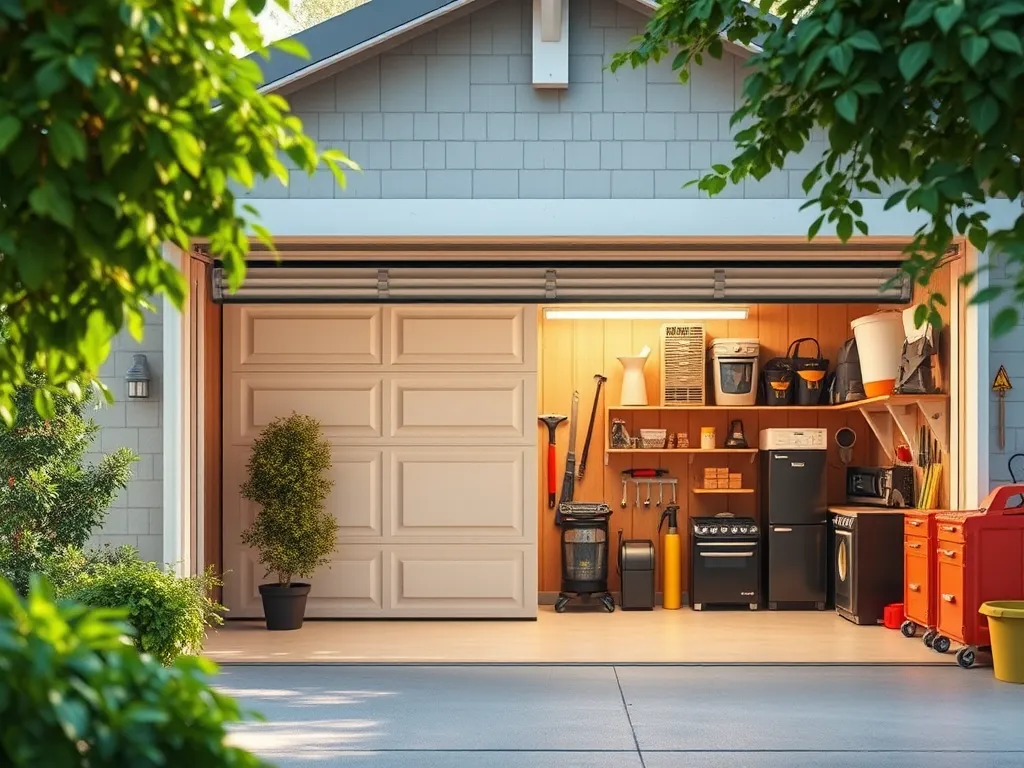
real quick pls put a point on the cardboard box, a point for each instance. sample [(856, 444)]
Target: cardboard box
[(723, 473), (710, 484)]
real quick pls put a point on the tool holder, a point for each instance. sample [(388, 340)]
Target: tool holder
[(649, 500)]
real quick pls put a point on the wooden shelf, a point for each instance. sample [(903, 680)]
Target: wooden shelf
[(723, 490), (692, 452), (871, 404)]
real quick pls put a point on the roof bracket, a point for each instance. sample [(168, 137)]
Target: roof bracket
[(383, 288), (551, 284), (719, 284), (550, 44)]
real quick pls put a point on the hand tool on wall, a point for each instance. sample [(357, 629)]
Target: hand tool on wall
[(569, 478), (552, 420), (647, 501), (590, 427), (637, 484), (661, 493), (1001, 386), (671, 569), (625, 488)]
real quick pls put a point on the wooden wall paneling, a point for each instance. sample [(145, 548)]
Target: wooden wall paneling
[(833, 330), (617, 341), (557, 356)]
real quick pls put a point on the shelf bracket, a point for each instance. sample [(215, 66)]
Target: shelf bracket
[(937, 416), (881, 424), (905, 417)]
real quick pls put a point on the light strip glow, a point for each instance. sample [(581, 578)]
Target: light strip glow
[(696, 313)]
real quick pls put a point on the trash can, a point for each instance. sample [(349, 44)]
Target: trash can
[(1006, 632)]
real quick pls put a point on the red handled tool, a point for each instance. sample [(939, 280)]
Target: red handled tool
[(552, 420)]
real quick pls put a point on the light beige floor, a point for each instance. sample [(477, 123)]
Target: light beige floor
[(683, 636)]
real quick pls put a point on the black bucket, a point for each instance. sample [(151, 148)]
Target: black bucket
[(809, 373), (778, 381)]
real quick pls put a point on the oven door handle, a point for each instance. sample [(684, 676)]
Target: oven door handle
[(726, 554), (749, 545)]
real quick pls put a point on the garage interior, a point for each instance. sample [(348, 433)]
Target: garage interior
[(428, 365)]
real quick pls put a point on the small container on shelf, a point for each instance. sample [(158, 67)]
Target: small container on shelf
[(711, 483), (682, 440), (652, 438), (671, 441), (735, 480), (707, 438)]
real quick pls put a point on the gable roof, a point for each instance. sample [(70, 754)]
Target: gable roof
[(373, 26)]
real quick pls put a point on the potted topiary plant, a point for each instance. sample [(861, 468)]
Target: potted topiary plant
[(292, 531)]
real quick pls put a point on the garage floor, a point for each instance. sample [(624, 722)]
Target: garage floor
[(683, 636), (629, 717)]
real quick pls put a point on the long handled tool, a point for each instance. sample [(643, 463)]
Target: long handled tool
[(568, 479), (552, 420), (590, 427)]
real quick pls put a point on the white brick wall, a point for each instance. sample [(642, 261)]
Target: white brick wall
[(1007, 351), (136, 516)]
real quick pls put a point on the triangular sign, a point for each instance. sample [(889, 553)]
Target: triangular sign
[(1002, 382)]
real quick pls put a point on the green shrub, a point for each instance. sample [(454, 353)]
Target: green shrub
[(169, 613), (75, 694), (288, 479)]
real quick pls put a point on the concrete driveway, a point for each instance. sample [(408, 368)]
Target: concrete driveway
[(629, 716)]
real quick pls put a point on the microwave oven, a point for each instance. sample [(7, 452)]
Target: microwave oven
[(880, 486)]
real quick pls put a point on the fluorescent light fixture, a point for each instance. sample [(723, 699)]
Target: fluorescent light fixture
[(694, 313)]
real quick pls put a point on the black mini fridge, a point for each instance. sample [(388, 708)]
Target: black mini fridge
[(794, 515)]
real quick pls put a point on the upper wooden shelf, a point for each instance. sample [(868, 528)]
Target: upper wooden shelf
[(871, 404)]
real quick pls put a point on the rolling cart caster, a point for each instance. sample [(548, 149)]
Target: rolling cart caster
[(929, 637), (698, 606), (966, 657), (773, 606), (940, 644), (753, 606), (908, 628), (608, 603), (819, 606), (560, 604)]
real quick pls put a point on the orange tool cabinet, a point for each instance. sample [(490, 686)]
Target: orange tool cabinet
[(979, 557), (920, 542)]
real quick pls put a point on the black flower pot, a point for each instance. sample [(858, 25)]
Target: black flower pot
[(284, 607)]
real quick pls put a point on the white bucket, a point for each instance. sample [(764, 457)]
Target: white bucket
[(880, 340)]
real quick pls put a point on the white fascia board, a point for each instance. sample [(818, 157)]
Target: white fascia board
[(172, 418), (550, 44)]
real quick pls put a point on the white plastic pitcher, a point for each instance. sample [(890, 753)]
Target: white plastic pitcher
[(880, 340)]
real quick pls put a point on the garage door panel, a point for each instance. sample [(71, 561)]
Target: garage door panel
[(354, 583), (460, 336), (461, 493), (458, 580), (346, 405), (459, 407), (356, 500), (303, 337)]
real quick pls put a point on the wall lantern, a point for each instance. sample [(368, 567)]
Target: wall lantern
[(138, 378)]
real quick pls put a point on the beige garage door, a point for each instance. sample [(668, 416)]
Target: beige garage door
[(431, 412)]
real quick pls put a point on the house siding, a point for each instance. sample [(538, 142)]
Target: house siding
[(453, 115), (136, 516), (1008, 351)]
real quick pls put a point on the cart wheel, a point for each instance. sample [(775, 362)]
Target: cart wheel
[(773, 606), (929, 637), (908, 628), (608, 603), (560, 604), (965, 657), (940, 644)]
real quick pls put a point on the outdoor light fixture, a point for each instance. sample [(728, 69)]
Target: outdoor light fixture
[(694, 313), (138, 378)]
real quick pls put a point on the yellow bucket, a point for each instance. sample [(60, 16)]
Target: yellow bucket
[(1006, 630)]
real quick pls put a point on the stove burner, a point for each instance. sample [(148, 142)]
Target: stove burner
[(728, 527)]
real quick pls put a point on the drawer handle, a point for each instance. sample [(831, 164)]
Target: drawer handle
[(914, 545), (948, 553), (949, 528), (914, 523), (949, 598), (915, 587)]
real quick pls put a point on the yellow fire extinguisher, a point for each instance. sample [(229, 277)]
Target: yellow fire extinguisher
[(671, 562)]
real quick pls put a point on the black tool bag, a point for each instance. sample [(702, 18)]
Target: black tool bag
[(848, 384), (778, 381), (809, 373), (915, 375)]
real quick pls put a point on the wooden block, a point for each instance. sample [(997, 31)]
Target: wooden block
[(710, 484), (735, 484), (735, 477)]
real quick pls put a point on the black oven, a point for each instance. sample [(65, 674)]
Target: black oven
[(725, 562)]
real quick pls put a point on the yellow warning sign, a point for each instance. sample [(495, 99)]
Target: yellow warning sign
[(1002, 382)]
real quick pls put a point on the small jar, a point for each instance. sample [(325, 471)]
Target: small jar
[(671, 442), (682, 440), (707, 438)]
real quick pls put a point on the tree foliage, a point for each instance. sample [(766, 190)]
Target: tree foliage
[(311, 12), (924, 99), (123, 125), (287, 477), (50, 498), (75, 694)]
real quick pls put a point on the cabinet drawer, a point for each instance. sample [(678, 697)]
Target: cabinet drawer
[(950, 532), (916, 545), (915, 525), (950, 552), (950, 600), (917, 587)]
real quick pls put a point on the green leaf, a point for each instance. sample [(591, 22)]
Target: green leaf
[(913, 58), (43, 400), (1006, 41), (84, 68), (292, 47), (846, 106), (806, 33), (863, 40), (920, 315), (987, 294), (918, 12), (948, 14), (973, 48), (983, 113), (47, 200), (844, 227), (815, 227), (10, 129), (841, 57), (187, 150), (978, 237), (67, 143), (1005, 321)]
